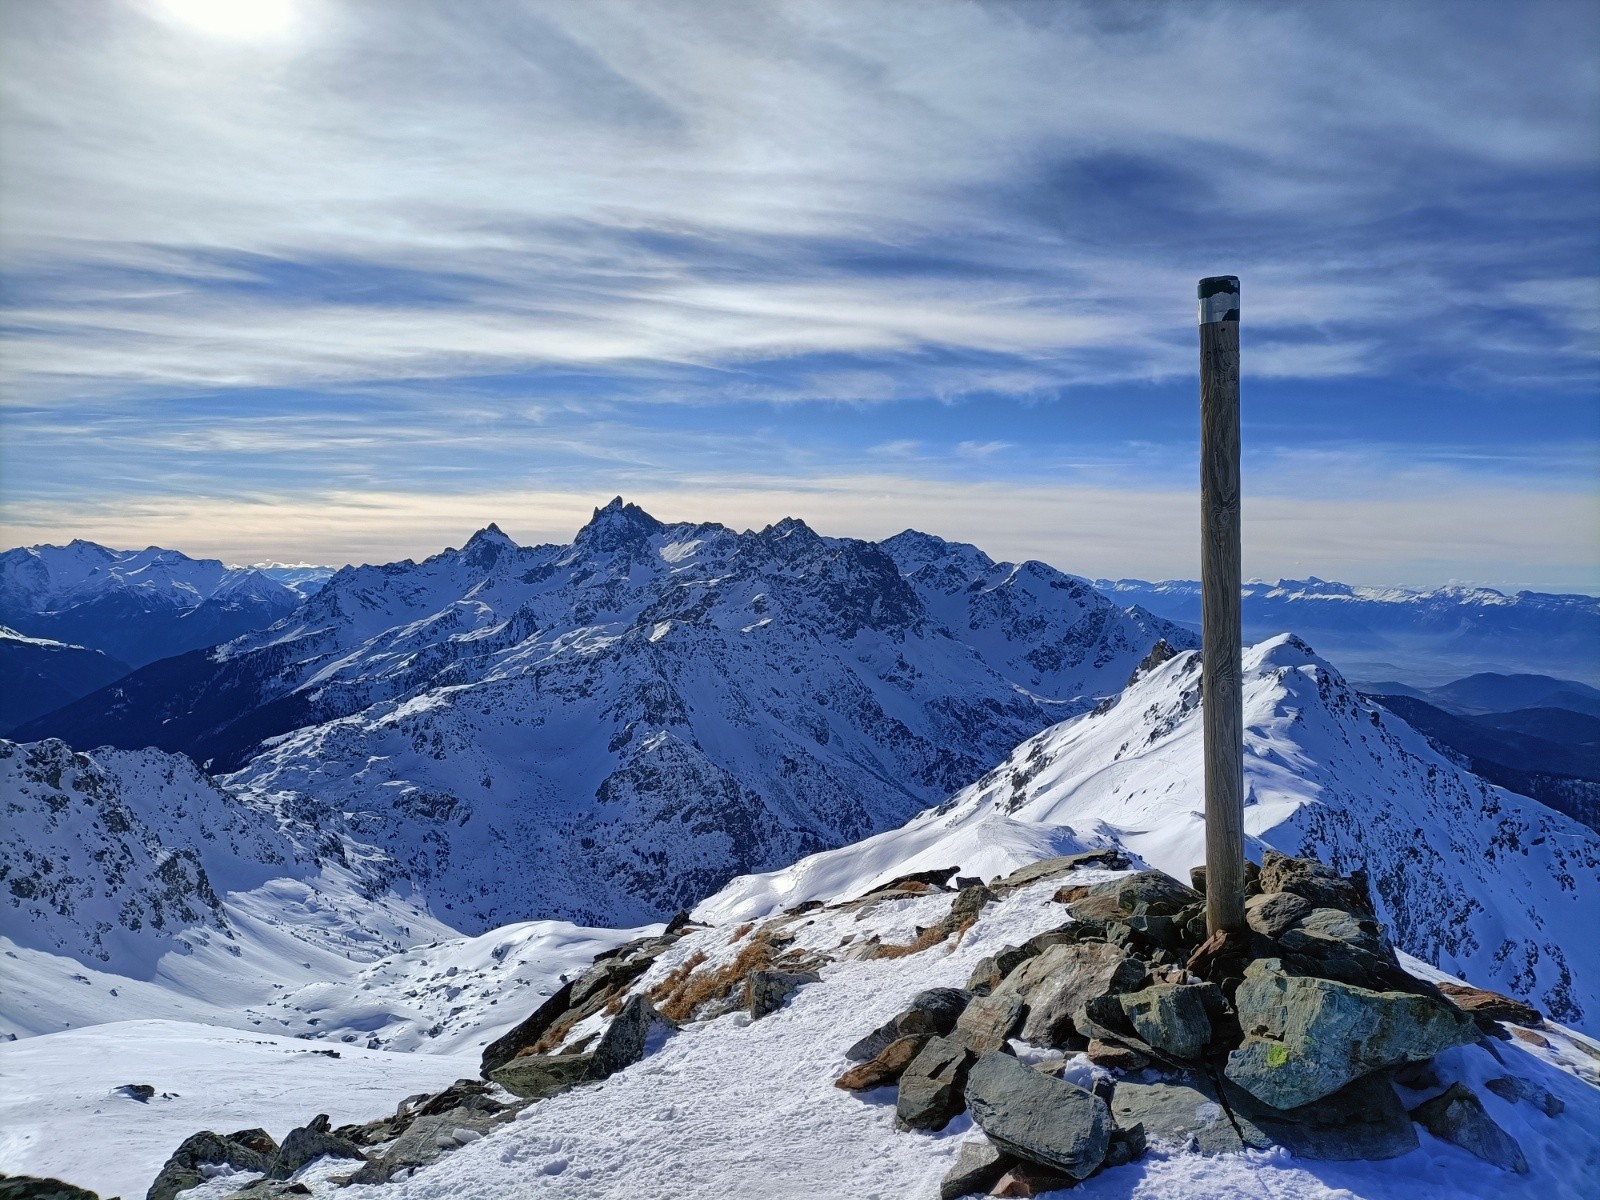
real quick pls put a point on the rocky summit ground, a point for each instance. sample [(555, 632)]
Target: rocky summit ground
[(1068, 1025)]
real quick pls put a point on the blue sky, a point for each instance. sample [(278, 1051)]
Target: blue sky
[(343, 281)]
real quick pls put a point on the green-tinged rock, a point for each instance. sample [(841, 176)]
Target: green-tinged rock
[(992, 970), (1305, 1038), (535, 1076), (1173, 1017), (1038, 1118), (931, 1087), (1458, 1116)]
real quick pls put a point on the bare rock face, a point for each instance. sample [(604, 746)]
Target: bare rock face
[(1458, 1116), (1306, 1038), (1273, 912), (1046, 1121), (1316, 882)]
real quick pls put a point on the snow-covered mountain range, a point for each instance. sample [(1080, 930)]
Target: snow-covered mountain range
[(1474, 879), (607, 731), (135, 605), (1426, 636)]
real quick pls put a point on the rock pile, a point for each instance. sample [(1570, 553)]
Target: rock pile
[(1287, 1036)]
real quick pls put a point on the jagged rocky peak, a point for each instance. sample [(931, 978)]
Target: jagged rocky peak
[(484, 548), (617, 525)]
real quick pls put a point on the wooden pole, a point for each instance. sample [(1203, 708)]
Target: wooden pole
[(1221, 636)]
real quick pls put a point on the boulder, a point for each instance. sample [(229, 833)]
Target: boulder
[(990, 1021), (36, 1187), (310, 1142), (1494, 1006), (1046, 1121), (503, 1049), (181, 1171), (1128, 1144), (1306, 1038), (1271, 913), (632, 1034), (1152, 892), (890, 1063), (1514, 1087), (536, 1076), (1114, 1057), (931, 1087), (1320, 884), (978, 1167), (1174, 1017), (992, 970), (257, 1139), (765, 992), (1458, 1116), (426, 1141), (1363, 1121), (933, 1012), (1058, 985)]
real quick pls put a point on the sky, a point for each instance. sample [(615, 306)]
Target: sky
[(344, 280)]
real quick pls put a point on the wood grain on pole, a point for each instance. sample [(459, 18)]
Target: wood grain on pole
[(1220, 689)]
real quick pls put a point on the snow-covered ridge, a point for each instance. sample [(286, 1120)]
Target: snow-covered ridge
[(1474, 879)]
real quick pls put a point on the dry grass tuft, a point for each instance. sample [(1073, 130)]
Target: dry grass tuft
[(930, 937), (718, 983), (741, 931)]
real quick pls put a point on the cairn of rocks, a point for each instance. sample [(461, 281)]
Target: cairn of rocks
[(1291, 1035)]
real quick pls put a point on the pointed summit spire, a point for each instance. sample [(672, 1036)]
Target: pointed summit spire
[(616, 525), (484, 548)]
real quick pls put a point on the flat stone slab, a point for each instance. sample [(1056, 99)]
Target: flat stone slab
[(1044, 1120)]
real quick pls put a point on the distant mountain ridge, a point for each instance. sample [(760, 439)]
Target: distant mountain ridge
[(135, 605), (607, 730), (1424, 636), (39, 675)]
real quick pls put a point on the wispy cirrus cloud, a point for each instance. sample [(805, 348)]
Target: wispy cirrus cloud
[(386, 241)]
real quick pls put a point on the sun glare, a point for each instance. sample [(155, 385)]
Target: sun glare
[(242, 19)]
